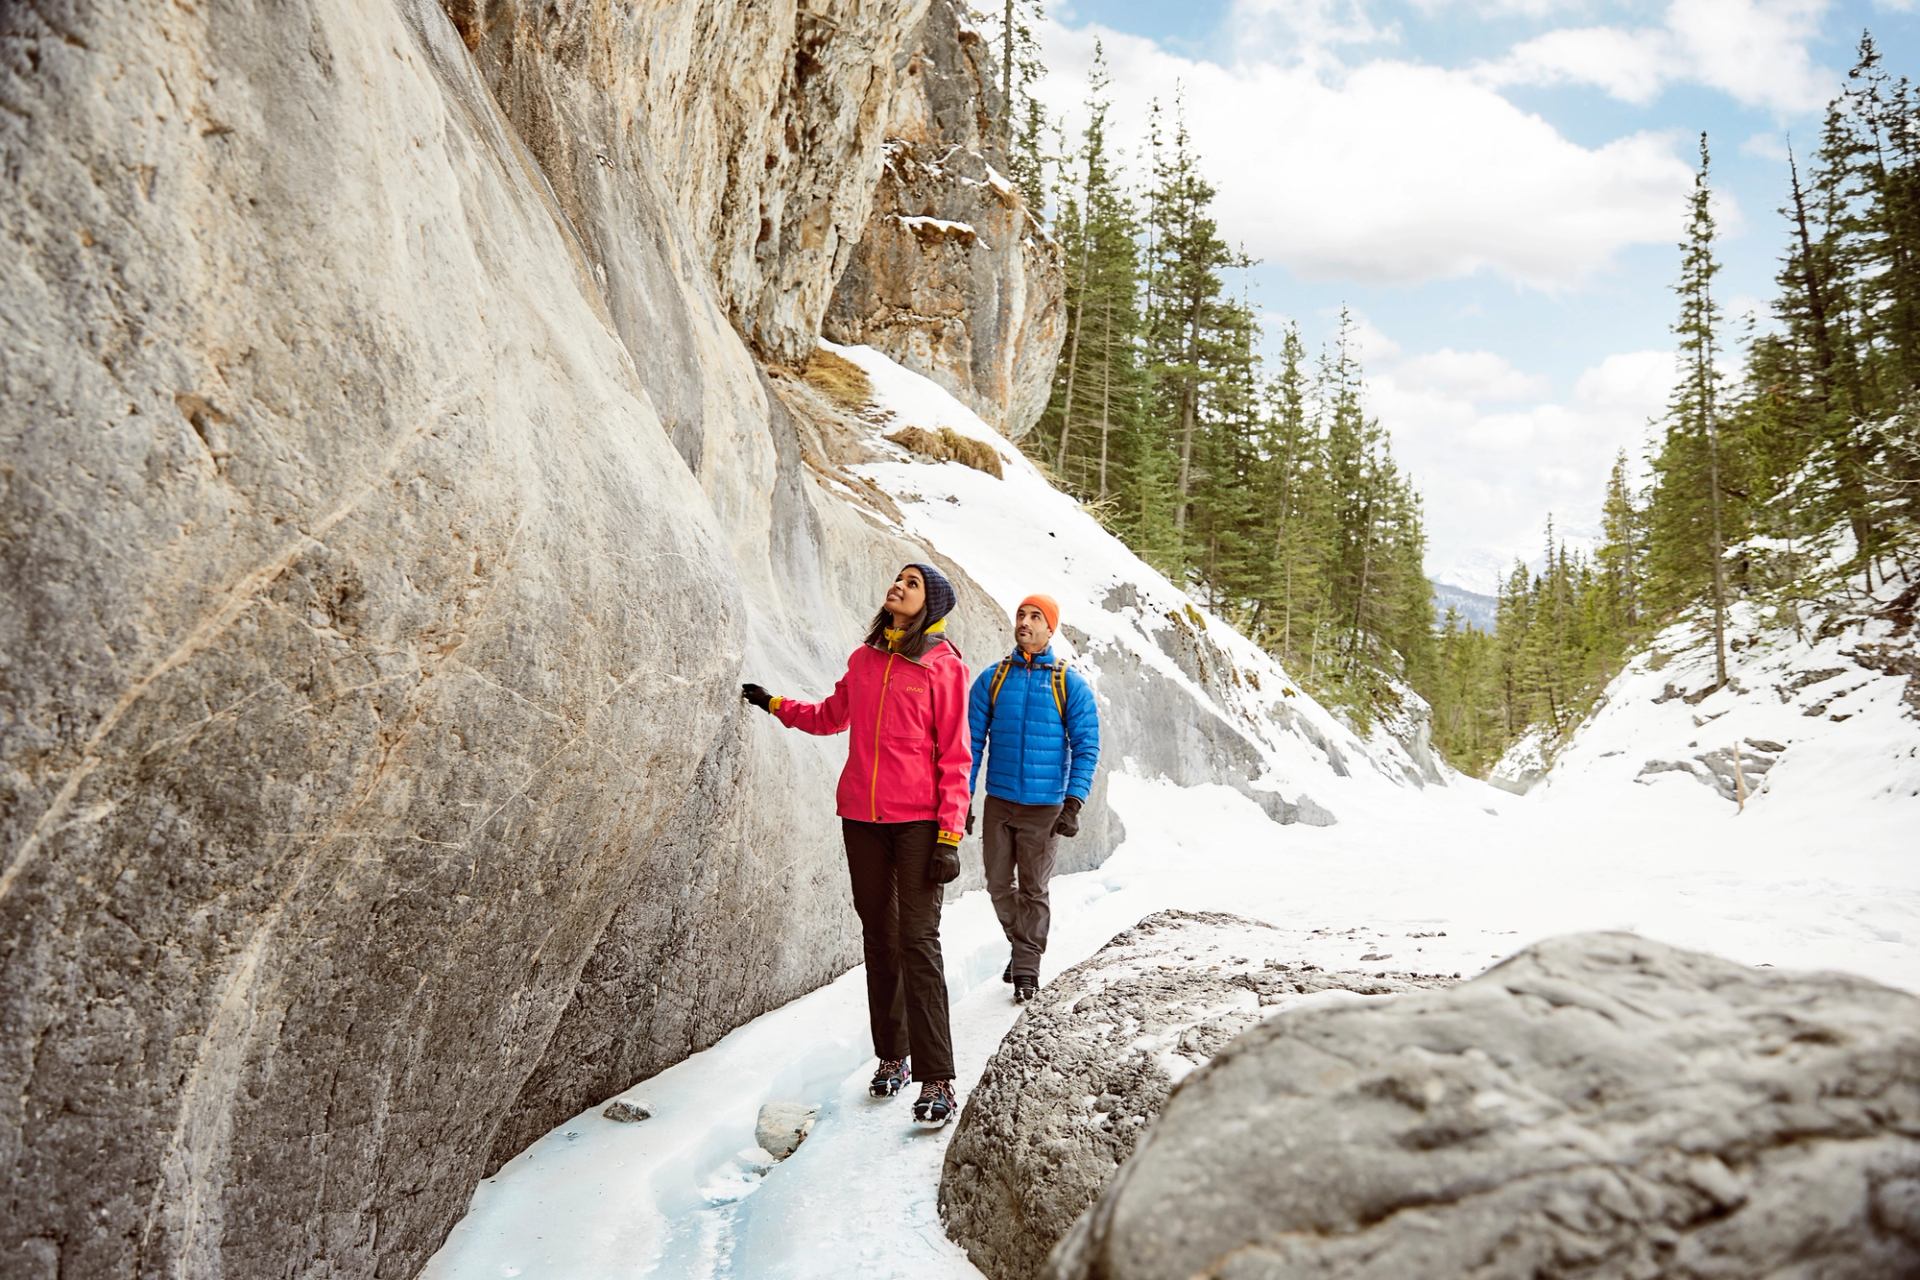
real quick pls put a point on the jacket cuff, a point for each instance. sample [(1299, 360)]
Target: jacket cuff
[(951, 838), (773, 703)]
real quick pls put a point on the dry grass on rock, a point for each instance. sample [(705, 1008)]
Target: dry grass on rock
[(839, 379), (948, 445)]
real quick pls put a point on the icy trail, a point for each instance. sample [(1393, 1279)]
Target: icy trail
[(681, 1195)]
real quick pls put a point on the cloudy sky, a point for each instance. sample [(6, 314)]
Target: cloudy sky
[(1496, 189)]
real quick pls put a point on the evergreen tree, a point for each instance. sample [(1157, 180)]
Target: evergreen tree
[(1022, 123), (1621, 556), (1292, 491), (1691, 520), (1193, 327)]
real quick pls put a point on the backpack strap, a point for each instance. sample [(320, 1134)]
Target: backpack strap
[(1058, 681), (993, 690)]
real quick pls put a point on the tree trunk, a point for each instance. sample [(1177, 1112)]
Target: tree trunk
[(1006, 83), (1189, 395), (1073, 342), (1704, 375), (1106, 388)]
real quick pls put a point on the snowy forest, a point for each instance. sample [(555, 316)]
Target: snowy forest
[(1267, 483)]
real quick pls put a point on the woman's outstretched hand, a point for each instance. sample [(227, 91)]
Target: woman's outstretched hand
[(757, 696)]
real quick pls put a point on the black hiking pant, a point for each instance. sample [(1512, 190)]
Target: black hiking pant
[(899, 911)]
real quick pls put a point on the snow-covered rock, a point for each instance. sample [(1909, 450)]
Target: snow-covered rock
[(1072, 1087), (1599, 1105), (1821, 707), (626, 1112)]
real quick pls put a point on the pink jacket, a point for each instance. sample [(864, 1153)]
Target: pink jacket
[(911, 752)]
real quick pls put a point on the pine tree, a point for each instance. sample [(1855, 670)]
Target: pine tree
[(1191, 331), (1690, 517), (1620, 553), (1292, 492), (1022, 123)]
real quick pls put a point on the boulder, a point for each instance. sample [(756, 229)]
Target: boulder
[(1083, 1073), (783, 1126), (1597, 1106)]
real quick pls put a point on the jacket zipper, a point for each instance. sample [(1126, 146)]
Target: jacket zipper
[(873, 796)]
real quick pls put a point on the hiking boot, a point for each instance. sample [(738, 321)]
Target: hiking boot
[(935, 1104), (891, 1076), (1025, 989)]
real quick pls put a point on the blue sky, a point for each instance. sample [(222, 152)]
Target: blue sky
[(1496, 189)]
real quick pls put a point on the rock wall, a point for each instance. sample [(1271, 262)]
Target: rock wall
[(762, 123), (952, 276), (390, 505)]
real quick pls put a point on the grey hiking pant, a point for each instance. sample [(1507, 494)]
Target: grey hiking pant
[(1019, 844)]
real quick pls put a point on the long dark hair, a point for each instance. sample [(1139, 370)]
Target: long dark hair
[(914, 643)]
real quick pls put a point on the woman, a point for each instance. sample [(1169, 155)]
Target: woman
[(902, 802)]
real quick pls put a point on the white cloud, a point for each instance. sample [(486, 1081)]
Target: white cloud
[(1632, 66), (1755, 51), (1494, 453), (1481, 376), (1505, 8), (1765, 146), (1634, 380), (1301, 30), (1391, 172)]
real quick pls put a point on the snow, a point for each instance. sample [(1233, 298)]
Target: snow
[(1819, 871), (940, 225)]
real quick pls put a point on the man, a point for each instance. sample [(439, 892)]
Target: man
[(1036, 727)]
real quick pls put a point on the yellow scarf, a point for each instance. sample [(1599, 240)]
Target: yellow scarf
[(895, 635)]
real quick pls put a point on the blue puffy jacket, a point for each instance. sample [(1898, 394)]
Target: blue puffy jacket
[(1031, 756)]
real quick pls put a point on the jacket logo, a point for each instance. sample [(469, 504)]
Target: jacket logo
[(913, 688)]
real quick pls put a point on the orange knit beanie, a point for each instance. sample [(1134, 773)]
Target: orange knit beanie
[(1048, 607)]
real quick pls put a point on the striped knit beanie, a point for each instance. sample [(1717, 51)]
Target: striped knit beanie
[(940, 598)]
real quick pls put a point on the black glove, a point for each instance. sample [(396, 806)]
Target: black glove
[(757, 696), (969, 822), (1068, 823), (944, 866)]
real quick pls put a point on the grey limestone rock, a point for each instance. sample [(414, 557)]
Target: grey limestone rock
[(782, 1126), (953, 276), (1729, 772), (1597, 1106), (390, 504), (762, 123), (1083, 1073), (626, 1112)]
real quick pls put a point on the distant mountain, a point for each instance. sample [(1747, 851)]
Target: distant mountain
[(1484, 570), (1475, 610)]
